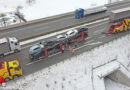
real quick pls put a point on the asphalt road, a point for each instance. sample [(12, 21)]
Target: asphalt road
[(96, 38)]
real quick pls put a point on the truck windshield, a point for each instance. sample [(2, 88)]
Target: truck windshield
[(16, 43)]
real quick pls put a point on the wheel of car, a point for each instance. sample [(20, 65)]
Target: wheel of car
[(15, 76), (1, 55), (7, 79)]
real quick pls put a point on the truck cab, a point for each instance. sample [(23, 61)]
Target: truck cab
[(79, 13), (14, 44), (9, 45), (10, 70)]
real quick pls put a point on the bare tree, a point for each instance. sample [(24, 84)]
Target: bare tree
[(3, 19), (19, 14)]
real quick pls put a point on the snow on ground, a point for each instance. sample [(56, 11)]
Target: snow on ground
[(75, 73)]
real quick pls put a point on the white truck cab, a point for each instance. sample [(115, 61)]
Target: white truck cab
[(9, 45), (14, 44)]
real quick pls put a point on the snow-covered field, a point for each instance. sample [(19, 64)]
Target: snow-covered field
[(75, 73)]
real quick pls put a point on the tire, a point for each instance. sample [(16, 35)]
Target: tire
[(7, 79), (16, 50), (115, 32), (1, 55), (15, 76)]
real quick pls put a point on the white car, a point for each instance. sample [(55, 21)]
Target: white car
[(71, 33)]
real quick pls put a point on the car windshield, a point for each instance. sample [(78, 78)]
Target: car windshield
[(36, 48), (70, 32), (33, 48)]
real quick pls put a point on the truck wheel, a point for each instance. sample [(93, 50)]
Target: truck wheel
[(1, 55), (7, 79), (16, 50), (15, 76)]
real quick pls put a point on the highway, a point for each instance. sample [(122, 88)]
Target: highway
[(95, 39)]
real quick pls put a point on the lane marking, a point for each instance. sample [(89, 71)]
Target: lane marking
[(42, 59), (89, 37), (98, 32), (102, 36), (89, 41), (98, 24), (94, 43)]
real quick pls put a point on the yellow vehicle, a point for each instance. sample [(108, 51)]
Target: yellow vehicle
[(125, 26), (119, 27), (10, 70)]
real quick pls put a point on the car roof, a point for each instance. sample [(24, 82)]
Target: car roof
[(82, 28), (71, 31), (53, 39), (34, 46)]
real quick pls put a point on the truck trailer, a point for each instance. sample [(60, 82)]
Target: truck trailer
[(80, 13), (59, 44), (9, 45), (119, 15)]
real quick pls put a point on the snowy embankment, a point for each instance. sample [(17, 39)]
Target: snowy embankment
[(75, 73)]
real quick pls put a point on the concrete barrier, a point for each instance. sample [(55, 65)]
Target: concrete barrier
[(122, 76)]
